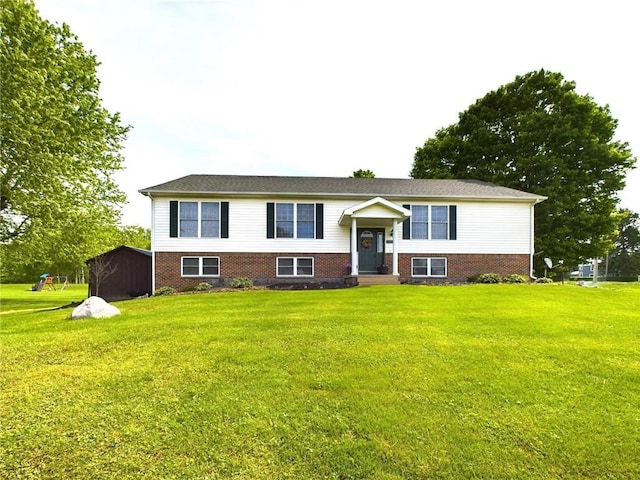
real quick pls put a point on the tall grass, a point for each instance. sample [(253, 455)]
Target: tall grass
[(480, 381)]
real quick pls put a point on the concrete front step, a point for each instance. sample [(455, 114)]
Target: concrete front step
[(364, 280)]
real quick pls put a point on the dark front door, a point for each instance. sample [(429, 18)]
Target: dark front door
[(370, 249)]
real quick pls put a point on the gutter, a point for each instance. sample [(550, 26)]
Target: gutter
[(532, 240), (389, 196), (153, 253)]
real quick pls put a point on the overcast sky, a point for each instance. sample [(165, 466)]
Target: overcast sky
[(323, 88)]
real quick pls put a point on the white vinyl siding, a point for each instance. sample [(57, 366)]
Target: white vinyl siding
[(482, 227)]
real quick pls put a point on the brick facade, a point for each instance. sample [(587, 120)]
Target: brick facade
[(261, 267), (462, 266)]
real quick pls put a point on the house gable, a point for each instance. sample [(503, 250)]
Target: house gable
[(376, 210)]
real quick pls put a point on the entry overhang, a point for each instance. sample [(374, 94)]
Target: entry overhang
[(376, 210)]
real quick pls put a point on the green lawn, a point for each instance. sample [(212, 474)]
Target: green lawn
[(406, 382), (21, 297)]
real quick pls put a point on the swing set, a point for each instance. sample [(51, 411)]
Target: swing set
[(46, 282)]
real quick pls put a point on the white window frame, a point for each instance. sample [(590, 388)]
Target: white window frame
[(199, 218), (295, 267), (295, 219), (200, 266), (429, 267), (430, 222)]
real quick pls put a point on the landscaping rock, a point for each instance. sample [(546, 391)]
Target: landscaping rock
[(94, 307)]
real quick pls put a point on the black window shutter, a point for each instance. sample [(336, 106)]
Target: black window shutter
[(173, 219), (224, 219), (406, 226), (271, 217), (453, 213), (319, 220)]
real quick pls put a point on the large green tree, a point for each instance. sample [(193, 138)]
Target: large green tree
[(539, 135), (60, 147), (624, 259)]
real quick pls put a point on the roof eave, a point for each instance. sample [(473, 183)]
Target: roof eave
[(196, 193)]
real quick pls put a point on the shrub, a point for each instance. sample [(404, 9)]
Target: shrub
[(241, 282), (202, 287), (544, 280), (164, 291), (514, 278), (489, 278)]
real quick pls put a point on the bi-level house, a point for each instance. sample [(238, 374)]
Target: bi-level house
[(215, 228)]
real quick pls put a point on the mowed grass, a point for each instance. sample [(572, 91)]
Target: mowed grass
[(14, 297), (406, 382)]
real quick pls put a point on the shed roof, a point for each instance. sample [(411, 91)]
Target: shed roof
[(336, 186), (124, 247)]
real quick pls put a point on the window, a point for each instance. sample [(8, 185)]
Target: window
[(439, 222), (190, 266), (295, 220), (198, 219), (294, 266), (284, 220), (210, 223), (428, 267), (200, 266), (430, 222), (211, 266), (420, 222), (188, 219), (306, 220)]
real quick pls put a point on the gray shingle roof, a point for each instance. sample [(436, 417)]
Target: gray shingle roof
[(336, 187)]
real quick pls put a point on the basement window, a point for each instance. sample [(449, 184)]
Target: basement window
[(294, 266), (428, 267), (200, 266)]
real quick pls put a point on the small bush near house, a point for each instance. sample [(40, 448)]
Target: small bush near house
[(514, 278), (489, 278), (164, 291), (544, 280), (202, 287), (241, 282)]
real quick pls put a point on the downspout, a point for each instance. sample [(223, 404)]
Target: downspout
[(153, 252), (531, 241)]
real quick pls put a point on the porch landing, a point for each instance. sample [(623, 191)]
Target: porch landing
[(364, 280)]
